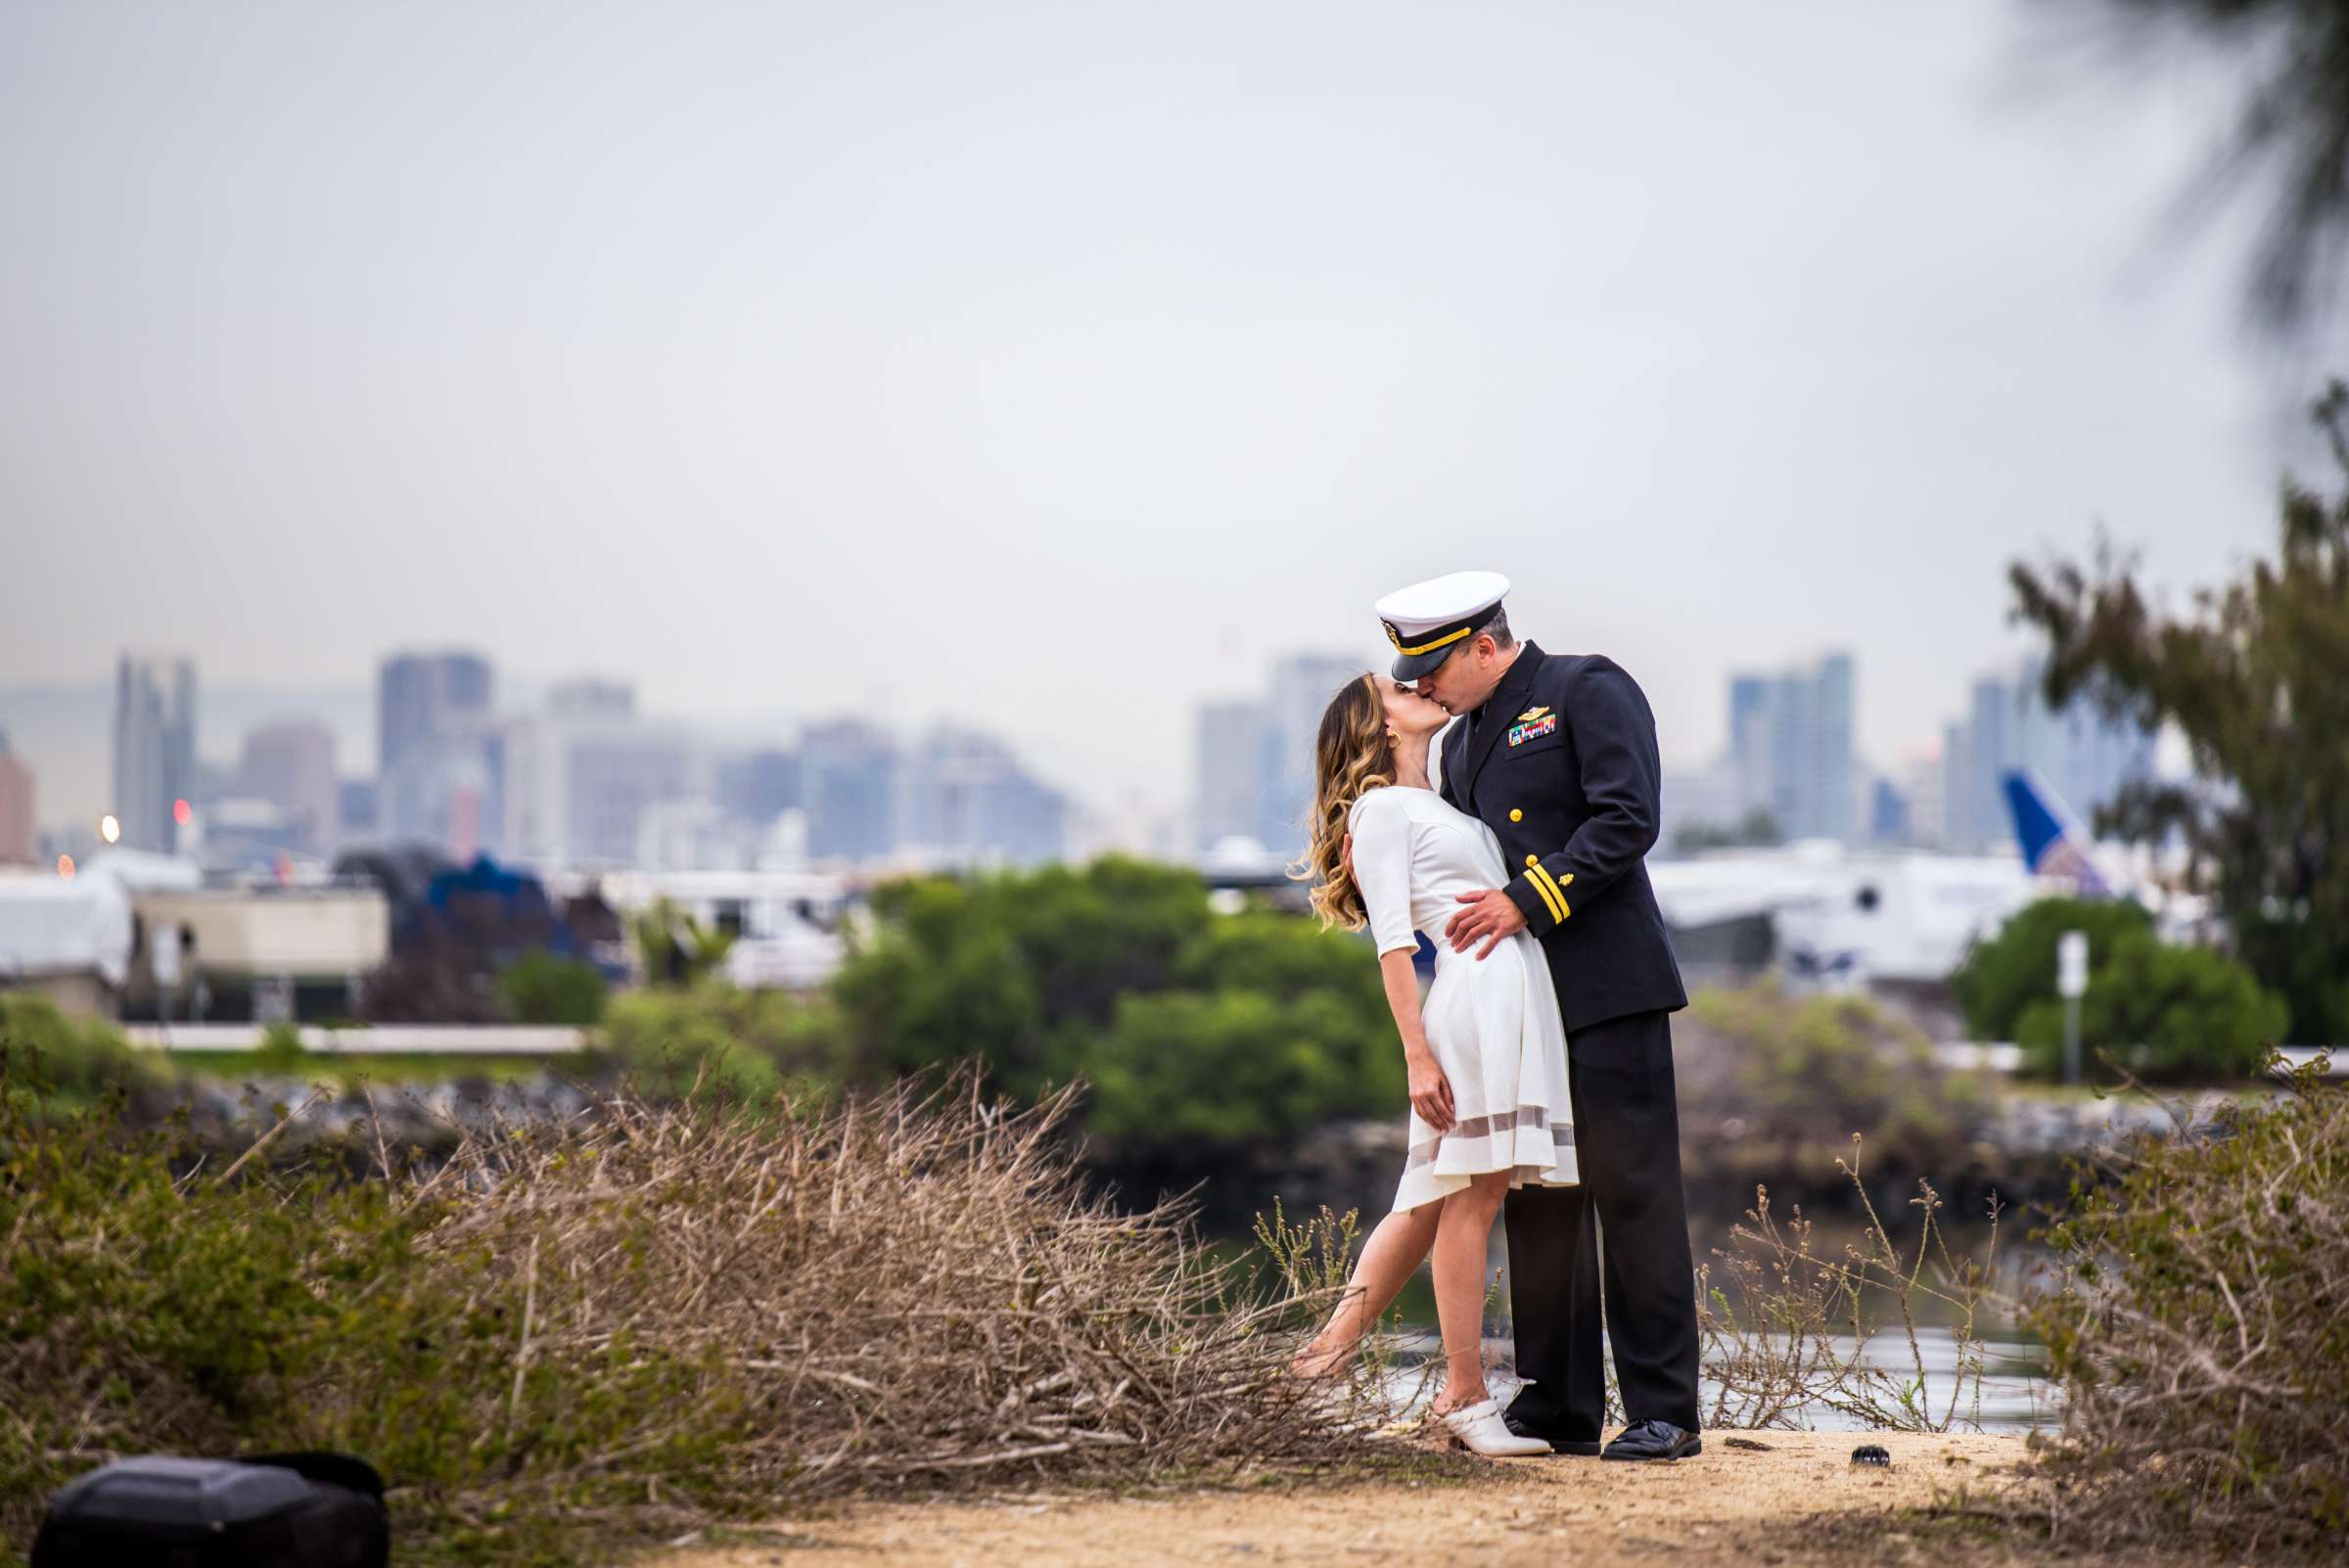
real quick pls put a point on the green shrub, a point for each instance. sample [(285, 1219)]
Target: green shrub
[(2002, 975), (2197, 1329), (744, 1045), (281, 1052), (565, 1342), (1196, 1031), (2171, 1014), (1786, 1082), (1226, 1067), (543, 988), (2165, 1014), (81, 1058)]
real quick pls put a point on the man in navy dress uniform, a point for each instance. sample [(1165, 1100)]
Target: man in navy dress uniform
[(1556, 754)]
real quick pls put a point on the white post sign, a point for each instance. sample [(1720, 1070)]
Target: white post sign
[(2071, 965), (2071, 984)]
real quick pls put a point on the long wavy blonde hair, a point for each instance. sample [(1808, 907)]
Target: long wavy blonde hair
[(1351, 756)]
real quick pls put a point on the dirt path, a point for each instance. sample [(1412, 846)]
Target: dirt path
[(1798, 1499)]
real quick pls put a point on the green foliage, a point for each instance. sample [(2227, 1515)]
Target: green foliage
[(2168, 1014), (281, 1052), (739, 1046), (1796, 1077), (379, 1068), (2165, 1014), (1193, 1028), (677, 949), (541, 989), (2003, 975), (2254, 679), (82, 1058), (561, 1342), (146, 1310), (2197, 1330), (1227, 1068)]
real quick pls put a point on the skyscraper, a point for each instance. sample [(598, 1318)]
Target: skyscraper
[(1749, 743), (1791, 746), (16, 817), (969, 801), (759, 784), (578, 780), (291, 764), (1228, 784), (155, 748), (441, 777), (849, 781), (422, 697), (2086, 757)]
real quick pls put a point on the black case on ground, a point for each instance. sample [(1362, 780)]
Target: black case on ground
[(282, 1510)]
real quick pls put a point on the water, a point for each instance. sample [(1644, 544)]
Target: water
[(2014, 1394)]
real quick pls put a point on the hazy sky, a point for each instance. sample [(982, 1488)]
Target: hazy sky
[(1052, 367)]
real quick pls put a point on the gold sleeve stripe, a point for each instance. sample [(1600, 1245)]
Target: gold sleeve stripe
[(1548, 891), (1551, 892)]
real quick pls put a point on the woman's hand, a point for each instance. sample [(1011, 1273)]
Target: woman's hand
[(1431, 1092)]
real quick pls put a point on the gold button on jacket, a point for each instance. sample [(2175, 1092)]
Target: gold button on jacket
[(1516, 816)]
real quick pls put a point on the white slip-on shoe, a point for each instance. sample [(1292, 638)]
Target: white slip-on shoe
[(1479, 1429)]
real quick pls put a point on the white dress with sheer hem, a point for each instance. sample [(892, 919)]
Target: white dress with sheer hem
[(1492, 1023)]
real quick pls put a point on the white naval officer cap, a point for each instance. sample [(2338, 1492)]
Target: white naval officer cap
[(1427, 620)]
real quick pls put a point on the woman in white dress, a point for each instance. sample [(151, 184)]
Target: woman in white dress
[(1486, 1051)]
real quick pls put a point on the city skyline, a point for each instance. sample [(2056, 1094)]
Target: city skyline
[(352, 720), (1067, 372)]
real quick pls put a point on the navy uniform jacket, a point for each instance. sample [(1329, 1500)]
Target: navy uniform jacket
[(1562, 766)]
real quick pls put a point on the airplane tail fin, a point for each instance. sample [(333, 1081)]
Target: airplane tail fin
[(2052, 842)]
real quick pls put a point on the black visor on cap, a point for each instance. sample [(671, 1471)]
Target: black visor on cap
[(1424, 652)]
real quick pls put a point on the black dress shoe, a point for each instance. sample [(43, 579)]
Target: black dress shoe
[(1653, 1440), (1581, 1451)]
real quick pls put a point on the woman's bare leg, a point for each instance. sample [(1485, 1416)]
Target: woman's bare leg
[(1389, 1257), (1463, 1232)]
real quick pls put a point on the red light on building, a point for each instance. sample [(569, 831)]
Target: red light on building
[(181, 813)]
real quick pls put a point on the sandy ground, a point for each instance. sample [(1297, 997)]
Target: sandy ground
[(1766, 1498)]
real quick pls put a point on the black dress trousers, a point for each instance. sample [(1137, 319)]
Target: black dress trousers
[(1627, 1139)]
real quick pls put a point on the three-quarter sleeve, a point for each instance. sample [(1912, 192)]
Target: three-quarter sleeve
[(1382, 868)]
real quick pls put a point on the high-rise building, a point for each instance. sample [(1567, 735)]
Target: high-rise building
[(422, 697), (1890, 818), (154, 750), (355, 812), (2086, 757), (578, 780), (1232, 777), (758, 785), (291, 764), (1749, 758), (1924, 780), (1303, 685), (1791, 746), (15, 806), (968, 801), (441, 773), (850, 790)]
